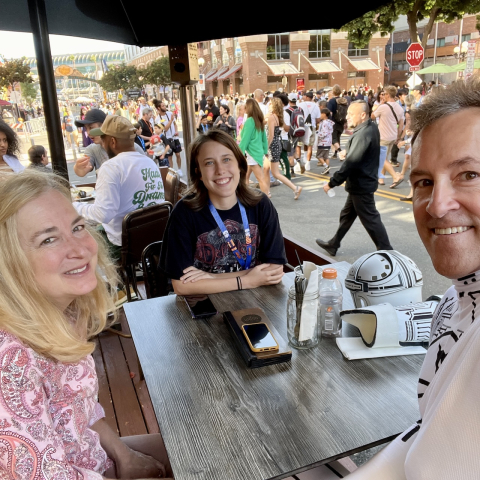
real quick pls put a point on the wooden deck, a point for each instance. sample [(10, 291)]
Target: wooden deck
[(122, 393)]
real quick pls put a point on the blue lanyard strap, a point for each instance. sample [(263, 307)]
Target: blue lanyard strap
[(244, 263)]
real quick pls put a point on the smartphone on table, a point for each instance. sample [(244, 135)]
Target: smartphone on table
[(259, 337), (200, 306)]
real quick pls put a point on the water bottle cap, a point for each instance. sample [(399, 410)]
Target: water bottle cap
[(329, 273)]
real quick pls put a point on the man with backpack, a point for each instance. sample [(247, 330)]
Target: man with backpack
[(297, 130), (338, 106)]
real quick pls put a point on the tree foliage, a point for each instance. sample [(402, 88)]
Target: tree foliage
[(120, 76), (361, 30), (29, 93), (158, 72), (13, 71)]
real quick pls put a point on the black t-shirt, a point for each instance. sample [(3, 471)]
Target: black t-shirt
[(193, 238), (332, 106), (215, 111), (146, 129)]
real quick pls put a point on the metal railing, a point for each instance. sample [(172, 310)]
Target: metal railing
[(36, 125)]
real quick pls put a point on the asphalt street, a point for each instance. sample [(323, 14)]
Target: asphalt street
[(316, 215)]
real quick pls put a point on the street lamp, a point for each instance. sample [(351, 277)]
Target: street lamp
[(201, 62), (461, 52)]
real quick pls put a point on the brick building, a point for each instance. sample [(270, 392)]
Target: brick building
[(320, 57), (440, 48)]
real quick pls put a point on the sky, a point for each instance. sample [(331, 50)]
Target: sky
[(16, 45)]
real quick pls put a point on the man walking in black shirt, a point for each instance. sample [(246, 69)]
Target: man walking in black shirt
[(360, 171)]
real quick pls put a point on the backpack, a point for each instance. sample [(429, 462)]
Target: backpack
[(341, 113), (297, 122)]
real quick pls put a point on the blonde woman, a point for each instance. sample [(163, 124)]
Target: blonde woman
[(274, 124), (254, 143), (56, 285)]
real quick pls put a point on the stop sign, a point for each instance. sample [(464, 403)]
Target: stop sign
[(415, 54)]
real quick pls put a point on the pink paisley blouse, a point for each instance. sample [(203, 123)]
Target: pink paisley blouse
[(46, 411)]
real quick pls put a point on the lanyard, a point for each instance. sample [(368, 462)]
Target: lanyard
[(244, 263)]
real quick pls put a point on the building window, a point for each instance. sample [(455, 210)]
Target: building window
[(355, 74), (319, 46), (318, 76), (273, 79), (466, 38), (225, 59), (440, 42), (238, 51), (357, 52), (278, 47)]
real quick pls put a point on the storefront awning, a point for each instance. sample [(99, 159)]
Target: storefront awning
[(210, 73), (233, 70), (216, 75), (364, 64), (323, 66), (280, 69)]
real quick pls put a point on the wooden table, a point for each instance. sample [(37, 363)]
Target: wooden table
[(220, 420)]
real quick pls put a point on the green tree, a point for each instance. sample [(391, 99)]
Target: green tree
[(13, 71), (120, 76), (29, 93), (158, 73), (361, 30)]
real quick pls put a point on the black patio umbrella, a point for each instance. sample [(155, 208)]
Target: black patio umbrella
[(123, 22)]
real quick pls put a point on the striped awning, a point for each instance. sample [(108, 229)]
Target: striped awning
[(233, 70), (217, 74), (279, 69), (364, 64)]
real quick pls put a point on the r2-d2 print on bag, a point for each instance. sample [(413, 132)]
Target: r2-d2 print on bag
[(385, 276)]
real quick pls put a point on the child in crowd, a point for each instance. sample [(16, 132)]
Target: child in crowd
[(138, 139), (164, 159), (325, 130), (203, 125)]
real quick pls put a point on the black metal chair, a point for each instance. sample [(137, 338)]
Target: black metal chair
[(140, 228), (156, 282)]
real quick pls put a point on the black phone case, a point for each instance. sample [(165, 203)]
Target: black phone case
[(253, 360)]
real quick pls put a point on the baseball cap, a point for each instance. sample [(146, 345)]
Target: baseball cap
[(292, 97), (308, 94), (319, 92), (418, 87), (92, 116), (115, 126)]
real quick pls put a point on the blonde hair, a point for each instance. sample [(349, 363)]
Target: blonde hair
[(25, 312), (277, 109)]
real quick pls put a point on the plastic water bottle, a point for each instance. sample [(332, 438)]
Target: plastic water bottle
[(331, 297)]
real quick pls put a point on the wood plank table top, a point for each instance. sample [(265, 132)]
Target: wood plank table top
[(221, 420)]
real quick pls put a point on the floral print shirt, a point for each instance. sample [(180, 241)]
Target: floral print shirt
[(46, 410)]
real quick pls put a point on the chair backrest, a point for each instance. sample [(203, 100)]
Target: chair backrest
[(172, 186), (141, 228), (156, 282)]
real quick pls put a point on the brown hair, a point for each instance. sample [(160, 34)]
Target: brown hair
[(336, 90), (253, 110), (196, 197)]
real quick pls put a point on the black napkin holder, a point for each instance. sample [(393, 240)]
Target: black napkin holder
[(236, 319)]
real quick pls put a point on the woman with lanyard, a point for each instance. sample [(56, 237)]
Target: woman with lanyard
[(222, 235), (9, 149)]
